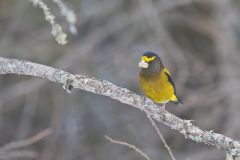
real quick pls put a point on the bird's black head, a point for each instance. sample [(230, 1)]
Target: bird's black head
[(149, 54), (150, 64)]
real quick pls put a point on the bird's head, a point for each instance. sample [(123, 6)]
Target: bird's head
[(150, 63)]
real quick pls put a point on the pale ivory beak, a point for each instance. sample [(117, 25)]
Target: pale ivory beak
[(143, 64)]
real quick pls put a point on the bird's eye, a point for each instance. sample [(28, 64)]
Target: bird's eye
[(148, 59)]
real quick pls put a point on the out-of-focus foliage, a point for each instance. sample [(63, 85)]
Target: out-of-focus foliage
[(197, 40)]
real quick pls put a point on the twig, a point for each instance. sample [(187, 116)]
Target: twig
[(17, 154), (128, 145), (26, 142), (69, 15), (57, 32), (161, 137), (12, 150), (123, 95)]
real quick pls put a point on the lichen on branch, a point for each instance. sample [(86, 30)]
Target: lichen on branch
[(57, 32)]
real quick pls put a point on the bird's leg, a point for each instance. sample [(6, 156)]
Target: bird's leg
[(163, 106)]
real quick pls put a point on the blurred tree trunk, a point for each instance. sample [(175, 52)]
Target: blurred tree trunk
[(226, 21)]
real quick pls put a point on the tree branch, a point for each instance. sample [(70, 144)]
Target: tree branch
[(123, 95)]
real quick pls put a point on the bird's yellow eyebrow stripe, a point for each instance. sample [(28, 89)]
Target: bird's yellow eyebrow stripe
[(146, 59)]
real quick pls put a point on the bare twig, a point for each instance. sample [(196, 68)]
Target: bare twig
[(13, 149), (161, 137), (123, 95), (128, 145), (26, 142), (69, 15), (57, 32), (16, 154)]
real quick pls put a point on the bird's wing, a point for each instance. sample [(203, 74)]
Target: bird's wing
[(170, 80)]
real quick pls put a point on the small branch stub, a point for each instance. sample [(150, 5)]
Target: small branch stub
[(68, 86)]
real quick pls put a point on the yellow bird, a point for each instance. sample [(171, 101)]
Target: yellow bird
[(155, 80)]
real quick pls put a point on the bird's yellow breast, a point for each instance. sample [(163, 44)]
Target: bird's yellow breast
[(157, 88)]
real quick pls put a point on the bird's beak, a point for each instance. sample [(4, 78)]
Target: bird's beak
[(143, 64)]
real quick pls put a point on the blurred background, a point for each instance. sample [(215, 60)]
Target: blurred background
[(198, 40)]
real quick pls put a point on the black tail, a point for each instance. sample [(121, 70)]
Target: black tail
[(179, 101)]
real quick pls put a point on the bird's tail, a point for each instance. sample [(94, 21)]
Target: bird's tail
[(179, 100), (176, 100)]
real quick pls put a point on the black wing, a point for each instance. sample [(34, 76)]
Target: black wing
[(171, 81), (174, 88)]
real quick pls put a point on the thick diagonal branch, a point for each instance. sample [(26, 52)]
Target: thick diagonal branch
[(123, 95)]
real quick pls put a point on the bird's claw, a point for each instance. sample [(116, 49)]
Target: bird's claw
[(163, 106)]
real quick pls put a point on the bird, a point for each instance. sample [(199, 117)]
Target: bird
[(155, 80)]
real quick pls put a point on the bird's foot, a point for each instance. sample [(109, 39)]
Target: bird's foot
[(163, 106), (190, 120)]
